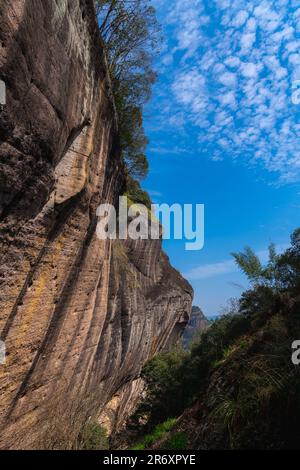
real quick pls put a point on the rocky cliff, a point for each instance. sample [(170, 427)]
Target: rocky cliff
[(79, 316), (197, 324)]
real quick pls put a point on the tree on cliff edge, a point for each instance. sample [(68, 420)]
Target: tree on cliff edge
[(131, 35)]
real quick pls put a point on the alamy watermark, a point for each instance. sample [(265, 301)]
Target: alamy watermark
[(2, 352), (296, 353), (137, 222), (2, 93)]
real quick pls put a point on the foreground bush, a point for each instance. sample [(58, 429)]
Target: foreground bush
[(93, 437)]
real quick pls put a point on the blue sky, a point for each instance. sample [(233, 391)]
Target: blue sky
[(224, 131)]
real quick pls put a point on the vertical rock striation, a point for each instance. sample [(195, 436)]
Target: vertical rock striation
[(79, 316)]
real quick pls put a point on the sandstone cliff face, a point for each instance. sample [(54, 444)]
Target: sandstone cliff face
[(79, 316)]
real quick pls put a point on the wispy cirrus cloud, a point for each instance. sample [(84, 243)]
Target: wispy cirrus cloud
[(211, 270), (229, 266), (230, 66)]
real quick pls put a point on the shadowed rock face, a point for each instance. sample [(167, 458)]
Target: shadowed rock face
[(79, 316), (197, 324)]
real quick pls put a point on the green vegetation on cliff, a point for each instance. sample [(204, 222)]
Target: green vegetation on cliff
[(131, 36)]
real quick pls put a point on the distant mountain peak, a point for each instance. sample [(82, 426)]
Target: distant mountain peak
[(197, 324)]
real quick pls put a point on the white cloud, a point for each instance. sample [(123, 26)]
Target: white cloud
[(232, 80), (249, 70), (228, 79), (251, 25), (240, 18), (189, 29), (247, 42), (190, 90), (232, 62), (227, 99), (211, 270), (206, 271), (154, 193)]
